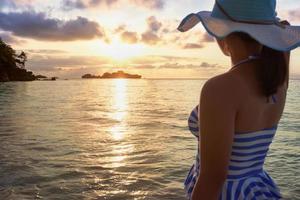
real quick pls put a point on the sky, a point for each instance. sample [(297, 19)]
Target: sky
[(69, 38)]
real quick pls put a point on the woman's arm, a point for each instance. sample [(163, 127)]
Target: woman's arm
[(217, 119)]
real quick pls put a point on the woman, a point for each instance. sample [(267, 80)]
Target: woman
[(240, 109)]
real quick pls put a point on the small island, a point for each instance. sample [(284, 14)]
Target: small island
[(45, 78), (118, 74)]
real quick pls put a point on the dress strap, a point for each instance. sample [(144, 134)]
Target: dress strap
[(250, 58), (274, 99)]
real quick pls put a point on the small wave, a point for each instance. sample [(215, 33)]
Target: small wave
[(41, 148), (95, 168), (75, 174), (5, 193)]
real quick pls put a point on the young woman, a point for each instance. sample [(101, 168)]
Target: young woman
[(240, 109)]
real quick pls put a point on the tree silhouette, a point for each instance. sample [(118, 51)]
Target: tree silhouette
[(12, 65), (21, 59), (7, 55)]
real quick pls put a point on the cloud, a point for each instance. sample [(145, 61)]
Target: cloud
[(53, 61), (172, 66), (86, 4), (207, 65), (151, 35), (6, 3), (195, 40), (63, 65), (153, 24), (45, 51), (129, 37), (294, 14), (162, 32), (176, 65), (156, 59), (189, 66), (143, 66), (38, 26), (152, 4), (97, 2), (8, 38), (17, 4), (193, 46), (207, 38), (120, 28), (150, 38), (70, 5), (149, 66)]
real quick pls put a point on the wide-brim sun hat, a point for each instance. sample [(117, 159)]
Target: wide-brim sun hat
[(258, 18)]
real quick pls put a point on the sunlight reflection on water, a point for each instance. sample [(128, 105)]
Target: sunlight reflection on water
[(115, 139), (120, 107)]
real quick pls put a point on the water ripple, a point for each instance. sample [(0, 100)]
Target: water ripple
[(115, 139)]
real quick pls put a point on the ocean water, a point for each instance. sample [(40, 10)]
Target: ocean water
[(115, 139)]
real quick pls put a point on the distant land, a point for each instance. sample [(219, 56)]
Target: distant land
[(12, 66), (118, 74), (45, 78)]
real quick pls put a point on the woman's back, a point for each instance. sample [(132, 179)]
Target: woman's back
[(239, 110), (256, 123), (255, 110)]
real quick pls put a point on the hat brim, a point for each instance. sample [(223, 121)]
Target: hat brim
[(273, 36)]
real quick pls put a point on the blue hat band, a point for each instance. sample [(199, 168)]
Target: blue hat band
[(248, 11), (220, 12)]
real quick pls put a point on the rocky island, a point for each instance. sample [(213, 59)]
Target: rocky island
[(118, 74)]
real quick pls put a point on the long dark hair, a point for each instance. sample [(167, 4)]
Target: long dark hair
[(273, 69)]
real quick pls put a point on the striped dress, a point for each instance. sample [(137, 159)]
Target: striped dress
[(246, 177)]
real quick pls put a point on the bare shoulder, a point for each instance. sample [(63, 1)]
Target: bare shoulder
[(226, 87)]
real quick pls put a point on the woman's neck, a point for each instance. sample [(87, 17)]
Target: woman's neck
[(242, 54), (235, 59)]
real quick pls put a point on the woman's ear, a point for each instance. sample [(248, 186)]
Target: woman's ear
[(223, 46)]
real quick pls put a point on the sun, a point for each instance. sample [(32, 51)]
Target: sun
[(120, 51)]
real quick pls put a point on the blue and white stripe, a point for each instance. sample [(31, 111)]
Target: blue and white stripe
[(193, 122), (246, 177)]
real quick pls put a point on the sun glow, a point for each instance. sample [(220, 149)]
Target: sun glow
[(120, 51)]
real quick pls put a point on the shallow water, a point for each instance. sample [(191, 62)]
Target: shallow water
[(115, 139)]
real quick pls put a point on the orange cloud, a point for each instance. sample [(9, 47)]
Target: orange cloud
[(129, 37), (193, 46), (294, 14), (152, 4), (150, 38)]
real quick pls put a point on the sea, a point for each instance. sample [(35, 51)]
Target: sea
[(116, 139)]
